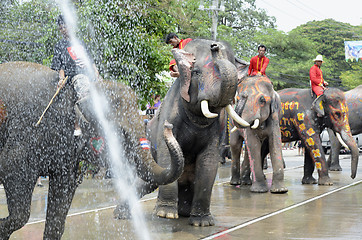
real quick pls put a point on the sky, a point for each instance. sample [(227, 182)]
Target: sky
[(290, 14)]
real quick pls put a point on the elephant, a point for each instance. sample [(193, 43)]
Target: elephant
[(207, 84), (258, 104), (304, 117), (354, 104), (50, 149)]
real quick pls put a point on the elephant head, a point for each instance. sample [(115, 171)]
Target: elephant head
[(332, 107), (208, 82), (256, 100)]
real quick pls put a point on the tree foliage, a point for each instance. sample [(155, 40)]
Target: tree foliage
[(329, 36)]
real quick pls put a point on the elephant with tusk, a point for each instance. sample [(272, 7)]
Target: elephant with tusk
[(304, 118), (258, 104), (207, 84)]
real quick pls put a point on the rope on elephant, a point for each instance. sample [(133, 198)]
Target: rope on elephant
[(51, 100)]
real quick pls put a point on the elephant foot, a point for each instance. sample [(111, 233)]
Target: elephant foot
[(325, 181), (122, 212), (259, 187), (278, 188), (335, 167), (246, 181), (235, 181), (166, 211), (201, 221), (309, 180)]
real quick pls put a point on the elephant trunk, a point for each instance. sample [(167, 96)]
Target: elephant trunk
[(351, 143), (154, 172)]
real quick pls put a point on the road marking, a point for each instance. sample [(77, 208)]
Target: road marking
[(213, 236)]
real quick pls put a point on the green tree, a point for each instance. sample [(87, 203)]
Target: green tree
[(329, 36), (352, 78), (290, 57)]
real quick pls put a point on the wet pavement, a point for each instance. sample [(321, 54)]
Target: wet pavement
[(305, 212)]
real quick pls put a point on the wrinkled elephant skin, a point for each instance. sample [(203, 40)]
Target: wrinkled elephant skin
[(354, 104), (207, 72), (302, 121), (258, 104)]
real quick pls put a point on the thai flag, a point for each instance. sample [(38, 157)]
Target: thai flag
[(144, 144)]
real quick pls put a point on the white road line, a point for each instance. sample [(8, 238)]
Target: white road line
[(143, 200), (279, 211)]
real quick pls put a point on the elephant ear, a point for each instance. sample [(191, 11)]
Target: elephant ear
[(185, 62), (276, 104), (317, 105), (242, 68)]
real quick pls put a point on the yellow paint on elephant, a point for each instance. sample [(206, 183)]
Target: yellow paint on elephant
[(302, 127), (321, 105), (300, 116), (318, 165), (310, 141), (310, 132), (316, 153)]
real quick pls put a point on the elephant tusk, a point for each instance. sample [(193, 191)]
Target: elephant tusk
[(205, 110), (341, 141), (236, 117), (256, 124), (234, 129)]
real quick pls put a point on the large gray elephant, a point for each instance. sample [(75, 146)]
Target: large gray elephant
[(258, 104), (354, 104), (28, 151), (304, 120), (207, 84)]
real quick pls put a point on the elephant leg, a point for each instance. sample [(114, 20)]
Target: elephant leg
[(205, 173), (264, 154), (245, 170), (308, 169), (253, 147), (18, 188), (333, 159), (275, 147), (62, 186), (236, 142), (185, 196), (122, 210), (166, 205)]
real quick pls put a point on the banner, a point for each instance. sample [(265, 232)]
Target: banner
[(353, 50)]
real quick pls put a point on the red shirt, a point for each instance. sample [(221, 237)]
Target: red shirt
[(257, 65), (181, 45), (316, 80)]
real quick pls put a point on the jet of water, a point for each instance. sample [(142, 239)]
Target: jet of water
[(123, 172)]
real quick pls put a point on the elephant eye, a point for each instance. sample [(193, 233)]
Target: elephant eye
[(262, 100), (338, 114)]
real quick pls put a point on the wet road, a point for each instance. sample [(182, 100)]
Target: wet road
[(305, 212)]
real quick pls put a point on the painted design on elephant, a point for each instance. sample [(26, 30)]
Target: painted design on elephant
[(310, 132), (316, 153), (318, 165), (310, 141), (144, 144), (340, 116), (210, 65), (284, 132), (302, 127), (3, 113), (290, 105), (97, 144), (300, 116)]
